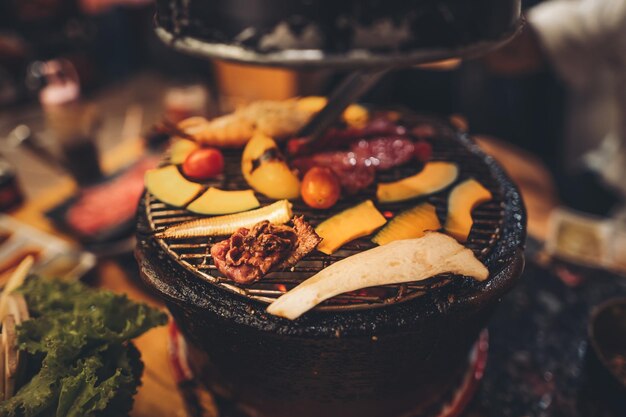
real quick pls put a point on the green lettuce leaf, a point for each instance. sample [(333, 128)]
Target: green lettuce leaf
[(36, 398), (88, 367), (86, 394)]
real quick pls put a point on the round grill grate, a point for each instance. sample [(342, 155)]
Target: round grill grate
[(194, 255)]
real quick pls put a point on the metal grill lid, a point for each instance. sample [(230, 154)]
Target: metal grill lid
[(323, 33)]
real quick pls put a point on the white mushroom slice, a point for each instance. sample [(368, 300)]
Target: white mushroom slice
[(397, 262), (10, 355)]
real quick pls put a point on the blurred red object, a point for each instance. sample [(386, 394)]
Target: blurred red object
[(101, 6), (109, 204)]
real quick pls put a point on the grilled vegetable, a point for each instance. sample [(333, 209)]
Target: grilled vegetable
[(462, 200), (433, 178), (350, 224), (354, 115), (409, 224), (204, 163), (271, 117), (229, 131), (180, 149), (320, 188), (400, 261), (216, 201), (312, 104), (277, 213), (265, 170), (169, 186)]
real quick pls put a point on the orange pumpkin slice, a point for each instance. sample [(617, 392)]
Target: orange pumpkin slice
[(409, 224), (462, 200), (433, 178), (350, 224)]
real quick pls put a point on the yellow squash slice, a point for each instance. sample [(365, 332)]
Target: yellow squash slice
[(276, 213), (181, 149), (409, 224), (433, 178), (215, 201), (169, 186), (462, 200), (265, 170), (350, 224)]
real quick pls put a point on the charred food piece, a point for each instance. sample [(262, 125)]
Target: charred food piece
[(306, 243), (249, 254)]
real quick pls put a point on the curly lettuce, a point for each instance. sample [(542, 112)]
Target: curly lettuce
[(79, 339)]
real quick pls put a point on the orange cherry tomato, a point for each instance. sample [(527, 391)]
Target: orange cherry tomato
[(320, 188), (203, 163)]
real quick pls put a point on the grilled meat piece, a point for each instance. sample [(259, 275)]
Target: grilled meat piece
[(337, 138), (385, 152), (356, 168), (307, 241), (249, 254), (353, 175)]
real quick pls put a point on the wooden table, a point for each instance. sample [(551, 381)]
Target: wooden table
[(158, 396)]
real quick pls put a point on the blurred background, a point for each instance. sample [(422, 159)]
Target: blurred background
[(123, 66)]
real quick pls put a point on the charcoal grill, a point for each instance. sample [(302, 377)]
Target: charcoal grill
[(387, 351), (194, 255), (384, 351)]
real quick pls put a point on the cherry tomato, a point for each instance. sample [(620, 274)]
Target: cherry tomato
[(423, 151), (320, 188), (203, 163)]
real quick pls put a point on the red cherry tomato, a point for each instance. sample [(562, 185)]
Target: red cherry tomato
[(423, 151), (320, 188), (203, 163)]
